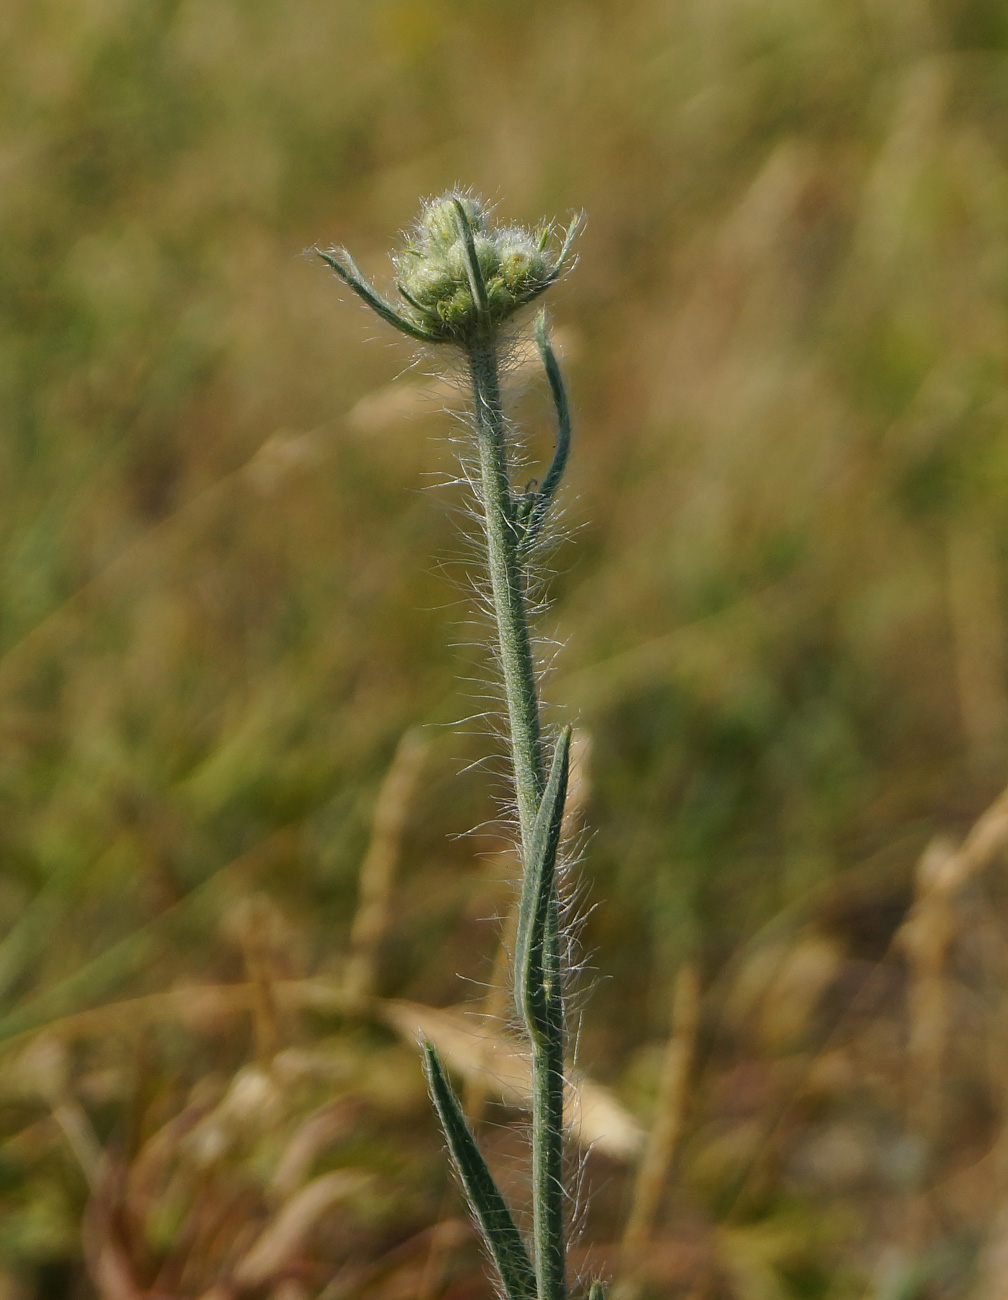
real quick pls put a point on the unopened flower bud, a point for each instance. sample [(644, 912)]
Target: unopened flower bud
[(426, 278), (460, 275), (486, 254), (458, 309), (439, 220), (522, 265)]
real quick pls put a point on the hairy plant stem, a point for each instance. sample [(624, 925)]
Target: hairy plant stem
[(464, 303), (507, 586), (508, 591), (548, 1125)]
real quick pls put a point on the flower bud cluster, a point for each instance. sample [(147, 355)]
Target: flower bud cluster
[(435, 275), (459, 275)]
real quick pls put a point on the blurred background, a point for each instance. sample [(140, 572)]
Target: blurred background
[(234, 641)]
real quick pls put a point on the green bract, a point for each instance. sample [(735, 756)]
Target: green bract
[(459, 275)]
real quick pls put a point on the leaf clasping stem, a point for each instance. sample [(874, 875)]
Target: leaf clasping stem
[(539, 998)]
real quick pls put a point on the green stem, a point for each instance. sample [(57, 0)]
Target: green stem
[(548, 1124), (507, 588), (507, 585)]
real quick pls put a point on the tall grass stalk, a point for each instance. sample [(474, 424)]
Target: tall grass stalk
[(461, 278)]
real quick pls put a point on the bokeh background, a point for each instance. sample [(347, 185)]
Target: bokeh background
[(234, 640)]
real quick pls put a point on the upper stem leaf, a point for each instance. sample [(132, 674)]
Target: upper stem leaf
[(532, 996), (540, 503)]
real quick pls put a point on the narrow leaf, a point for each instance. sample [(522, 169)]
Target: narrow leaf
[(485, 1200), (538, 885), (346, 268), (541, 501)]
